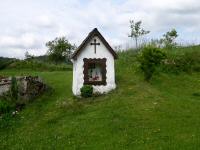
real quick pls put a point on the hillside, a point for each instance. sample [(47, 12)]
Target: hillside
[(36, 63), (162, 114), (4, 62)]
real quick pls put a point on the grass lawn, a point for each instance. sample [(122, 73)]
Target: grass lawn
[(163, 114)]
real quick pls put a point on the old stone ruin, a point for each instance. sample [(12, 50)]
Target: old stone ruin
[(29, 87)]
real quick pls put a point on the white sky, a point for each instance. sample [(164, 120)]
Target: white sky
[(29, 24)]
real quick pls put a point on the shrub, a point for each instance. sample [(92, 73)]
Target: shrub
[(186, 62), (5, 64), (87, 91), (14, 89), (5, 107), (149, 58)]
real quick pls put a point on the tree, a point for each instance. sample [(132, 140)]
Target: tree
[(137, 31), (169, 39), (150, 58), (59, 49), (28, 56)]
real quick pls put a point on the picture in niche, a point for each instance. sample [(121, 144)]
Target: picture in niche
[(94, 72)]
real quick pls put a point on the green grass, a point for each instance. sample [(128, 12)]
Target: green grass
[(162, 114), (34, 65)]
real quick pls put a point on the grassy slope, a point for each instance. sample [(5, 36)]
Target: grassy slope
[(163, 114)]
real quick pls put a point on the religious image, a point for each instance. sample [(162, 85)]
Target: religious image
[(94, 72)]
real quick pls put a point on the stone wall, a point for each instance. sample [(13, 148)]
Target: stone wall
[(28, 86), (5, 84)]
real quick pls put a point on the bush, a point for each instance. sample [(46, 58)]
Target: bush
[(14, 89), (5, 107), (186, 62), (87, 91), (149, 58), (3, 65)]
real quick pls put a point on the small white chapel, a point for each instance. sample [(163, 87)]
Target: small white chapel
[(94, 64)]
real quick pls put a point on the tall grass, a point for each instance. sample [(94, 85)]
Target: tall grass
[(183, 59)]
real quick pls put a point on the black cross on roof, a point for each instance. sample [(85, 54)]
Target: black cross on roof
[(95, 44)]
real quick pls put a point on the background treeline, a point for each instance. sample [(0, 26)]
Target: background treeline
[(4, 62), (57, 58), (39, 63)]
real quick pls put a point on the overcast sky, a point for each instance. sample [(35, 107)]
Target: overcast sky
[(29, 24)]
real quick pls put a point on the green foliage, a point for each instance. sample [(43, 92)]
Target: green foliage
[(39, 65), (28, 56), (168, 39), (5, 62), (59, 50), (42, 58), (86, 91), (196, 94), (187, 61), (149, 58), (6, 121), (137, 31), (5, 107), (14, 89), (126, 57)]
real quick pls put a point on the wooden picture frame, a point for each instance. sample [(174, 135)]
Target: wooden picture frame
[(99, 61)]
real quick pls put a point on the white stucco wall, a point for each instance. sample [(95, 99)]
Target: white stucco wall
[(88, 52)]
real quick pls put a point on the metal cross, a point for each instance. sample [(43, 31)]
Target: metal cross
[(95, 44)]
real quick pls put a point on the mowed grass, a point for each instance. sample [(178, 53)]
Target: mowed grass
[(162, 114)]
